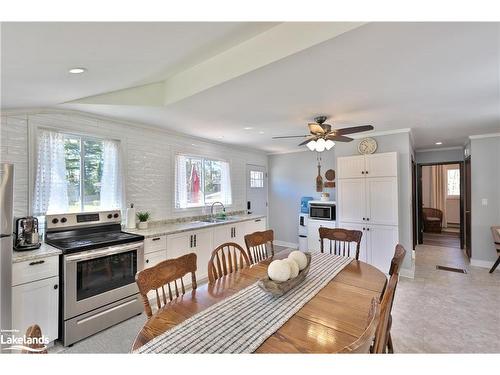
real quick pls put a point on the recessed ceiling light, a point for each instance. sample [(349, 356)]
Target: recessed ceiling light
[(220, 137), (439, 143), (248, 128), (261, 132), (77, 70)]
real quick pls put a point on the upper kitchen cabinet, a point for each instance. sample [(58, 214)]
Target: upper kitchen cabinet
[(373, 165)]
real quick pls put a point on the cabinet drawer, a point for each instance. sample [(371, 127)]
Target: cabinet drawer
[(152, 259), (36, 269), (152, 244)]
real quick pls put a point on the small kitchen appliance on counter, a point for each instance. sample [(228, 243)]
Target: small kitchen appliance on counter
[(26, 234), (304, 204)]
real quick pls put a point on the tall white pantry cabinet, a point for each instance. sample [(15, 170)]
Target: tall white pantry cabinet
[(367, 200)]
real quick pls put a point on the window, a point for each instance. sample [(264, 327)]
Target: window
[(76, 174), (453, 182), (201, 181), (256, 179)]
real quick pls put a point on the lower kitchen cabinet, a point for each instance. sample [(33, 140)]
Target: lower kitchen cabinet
[(256, 225), (198, 242), (313, 240), (36, 302), (377, 244)]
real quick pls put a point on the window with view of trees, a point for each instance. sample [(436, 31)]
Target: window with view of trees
[(201, 181), (76, 174), (84, 163)]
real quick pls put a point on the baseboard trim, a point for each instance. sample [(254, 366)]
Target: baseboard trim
[(409, 273), (287, 244), (481, 263)]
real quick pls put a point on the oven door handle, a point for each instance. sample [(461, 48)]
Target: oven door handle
[(101, 253)]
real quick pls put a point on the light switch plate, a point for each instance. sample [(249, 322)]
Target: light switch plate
[(484, 202)]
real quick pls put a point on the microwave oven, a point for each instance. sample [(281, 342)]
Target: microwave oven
[(322, 210)]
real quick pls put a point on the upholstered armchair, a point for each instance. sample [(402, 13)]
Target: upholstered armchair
[(433, 219)]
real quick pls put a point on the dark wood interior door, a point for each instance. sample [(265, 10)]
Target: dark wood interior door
[(414, 202), (468, 244)]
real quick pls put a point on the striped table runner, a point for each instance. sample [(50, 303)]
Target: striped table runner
[(243, 321)]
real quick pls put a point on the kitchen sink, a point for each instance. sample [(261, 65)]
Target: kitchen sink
[(217, 220)]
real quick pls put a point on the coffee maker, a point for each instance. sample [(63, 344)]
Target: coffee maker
[(26, 234)]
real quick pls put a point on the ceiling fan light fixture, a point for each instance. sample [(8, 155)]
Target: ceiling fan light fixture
[(311, 145), (329, 144), (320, 145)]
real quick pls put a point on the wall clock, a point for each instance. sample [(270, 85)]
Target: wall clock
[(367, 146)]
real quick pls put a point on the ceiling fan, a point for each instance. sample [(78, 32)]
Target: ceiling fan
[(323, 136)]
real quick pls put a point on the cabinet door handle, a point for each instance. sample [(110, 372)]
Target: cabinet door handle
[(367, 219), (362, 172), (258, 220), (147, 260), (56, 286), (364, 218), (37, 262), (367, 229), (366, 172), (156, 239), (195, 240), (191, 241), (234, 231)]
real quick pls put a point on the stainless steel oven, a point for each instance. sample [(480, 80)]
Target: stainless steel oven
[(319, 210), (100, 289)]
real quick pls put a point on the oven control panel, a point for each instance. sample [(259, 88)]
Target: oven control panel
[(82, 219)]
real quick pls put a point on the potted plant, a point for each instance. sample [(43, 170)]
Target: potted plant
[(143, 217)]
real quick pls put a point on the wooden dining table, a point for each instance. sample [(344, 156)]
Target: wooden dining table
[(332, 319)]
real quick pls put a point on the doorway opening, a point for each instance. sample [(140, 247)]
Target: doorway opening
[(441, 204)]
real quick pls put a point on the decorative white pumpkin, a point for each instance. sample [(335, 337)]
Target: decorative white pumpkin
[(279, 270), (294, 267), (299, 257)]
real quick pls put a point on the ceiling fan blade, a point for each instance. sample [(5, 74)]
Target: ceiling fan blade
[(312, 138), (315, 128), (338, 138), (291, 136), (354, 129)]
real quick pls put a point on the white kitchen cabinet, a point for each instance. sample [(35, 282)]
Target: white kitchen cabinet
[(230, 233), (381, 165), (313, 240), (381, 241), (255, 225), (351, 200), (370, 203), (36, 302), (196, 241), (381, 201), (152, 259), (351, 167), (374, 165)]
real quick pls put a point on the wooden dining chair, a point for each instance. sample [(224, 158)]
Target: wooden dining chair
[(226, 258), (382, 333), (35, 332), (341, 241), (260, 246), (365, 341), (166, 274)]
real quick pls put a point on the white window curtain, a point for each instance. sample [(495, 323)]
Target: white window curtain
[(51, 190), (112, 177), (180, 180), (226, 184)]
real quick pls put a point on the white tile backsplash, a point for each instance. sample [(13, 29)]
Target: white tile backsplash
[(148, 158)]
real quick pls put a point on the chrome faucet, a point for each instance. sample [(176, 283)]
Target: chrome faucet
[(212, 208)]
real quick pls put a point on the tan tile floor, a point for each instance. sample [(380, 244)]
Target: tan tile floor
[(447, 312)]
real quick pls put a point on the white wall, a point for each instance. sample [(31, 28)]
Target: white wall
[(292, 176), (485, 175), (148, 157), (439, 156)]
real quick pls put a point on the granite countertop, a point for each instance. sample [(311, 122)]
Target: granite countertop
[(43, 252), (172, 228)]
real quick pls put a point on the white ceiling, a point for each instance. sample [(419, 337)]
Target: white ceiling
[(440, 79)]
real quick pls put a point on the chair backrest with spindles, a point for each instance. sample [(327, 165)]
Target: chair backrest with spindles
[(226, 259), (397, 259), (260, 245), (342, 242), (382, 333), (365, 341), (166, 278)]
